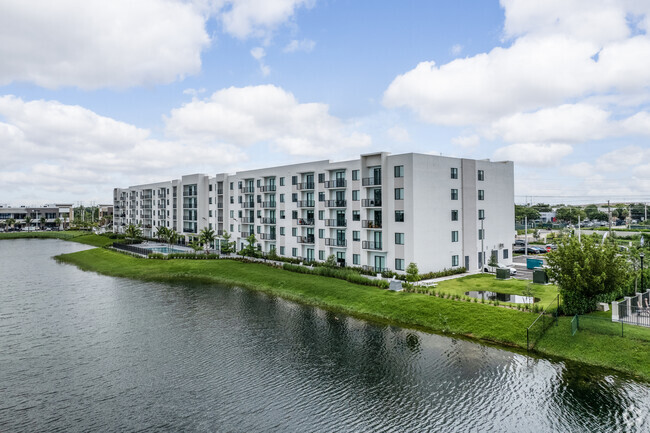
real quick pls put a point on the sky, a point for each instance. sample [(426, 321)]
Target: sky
[(96, 95)]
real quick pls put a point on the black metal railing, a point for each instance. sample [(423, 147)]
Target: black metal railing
[(267, 236), (336, 203), (335, 222), (247, 220), (333, 242), (305, 185), (305, 222), (371, 245), (371, 181), (370, 202), (336, 183), (267, 204), (309, 239), (132, 249), (267, 188), (306, 203), (247, 205), (247, 190), (268, 220), (371, 224)]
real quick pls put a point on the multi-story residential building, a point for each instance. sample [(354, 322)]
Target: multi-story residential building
[(51, 212), (380, 211)]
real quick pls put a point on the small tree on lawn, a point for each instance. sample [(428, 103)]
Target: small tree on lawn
[(250, 250), (162, 233), (587, 272), (226, 246), (171, 237), (11, 222), (58, 223), (412, 273), (43, 223), (133, 233), (195, 244), (331, 261), (28, 221), (207, 237)]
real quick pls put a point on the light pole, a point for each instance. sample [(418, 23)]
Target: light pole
[(642, 256)]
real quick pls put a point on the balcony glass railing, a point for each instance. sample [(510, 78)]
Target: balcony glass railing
[(371, 245)]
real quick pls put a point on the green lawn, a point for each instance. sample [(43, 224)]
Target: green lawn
[(488, 282), (475, 320), (82, 237)]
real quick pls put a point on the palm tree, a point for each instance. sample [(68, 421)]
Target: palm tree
[(43, 223), (207, 237), (195, 244), (11, 222), (172, 237), (58, 223), (28, 221), (133, 232), (162, 233)]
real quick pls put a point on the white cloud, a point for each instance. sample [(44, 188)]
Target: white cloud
[(467, 141), (264, 114), (258, 54), (257, 18), (456, 49), (305, 45), (534, 154), (399, 134), (95, 43), (69, 150)]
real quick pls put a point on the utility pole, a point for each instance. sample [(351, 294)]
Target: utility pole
[(578, 227), (609, 218), (526, 235), (482, 250)]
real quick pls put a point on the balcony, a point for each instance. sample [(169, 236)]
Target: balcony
[(267, 236), (220, 205), (162, 206), (220, 219), (268, 220), (337, 183), (146, 196), (247, 190), (371, 181), (305, 186), (267, 188), (333, 242), (248, 205), (305, 222), (268, 204), (336, 203), (244, 234), (247, 220), (371, 245), (306, 203), (220, 192), (309, 239), (336, 223), (371, 224), (370, 202)]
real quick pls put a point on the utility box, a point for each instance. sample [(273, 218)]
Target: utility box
[(534, 263), (503, 274), (540, 277)]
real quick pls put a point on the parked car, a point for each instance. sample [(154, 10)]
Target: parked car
[(493, 269), (519, 249), (550, 247), (520, 242), (536, 250)]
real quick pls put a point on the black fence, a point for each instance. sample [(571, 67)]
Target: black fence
[(596, 325), (132, 249), (544, 321), (633, 314)]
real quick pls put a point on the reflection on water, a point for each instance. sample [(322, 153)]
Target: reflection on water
[(84, 352)]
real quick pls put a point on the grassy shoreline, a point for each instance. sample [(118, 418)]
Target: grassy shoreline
[(494, 325)]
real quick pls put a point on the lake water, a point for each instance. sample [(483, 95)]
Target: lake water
[(85, 352)]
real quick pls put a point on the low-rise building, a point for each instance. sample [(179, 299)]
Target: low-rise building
[(45, 216)]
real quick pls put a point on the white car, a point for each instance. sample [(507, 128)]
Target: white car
[(493, 269)]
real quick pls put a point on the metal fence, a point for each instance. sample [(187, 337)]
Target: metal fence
[(132, 249), (544, 321), (633, 310), (597, 325)]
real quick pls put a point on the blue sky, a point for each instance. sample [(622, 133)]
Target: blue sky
[(113, 94)]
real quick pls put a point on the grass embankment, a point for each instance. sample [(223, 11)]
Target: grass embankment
[(82, 237), (475, 320)]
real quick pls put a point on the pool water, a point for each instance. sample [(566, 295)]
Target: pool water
[(501, 297), (166, 250)]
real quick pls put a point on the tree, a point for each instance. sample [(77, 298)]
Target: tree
[(542, 207), (226, 246), (591, 211), (28, 221), (412, 273), (43, 223), (57, 221), (162, 233), (570, 214), (621, 212), (195, 244), (133, 232), (521, 212), (250, 250), (331, 261), (587, 272), (172, 237), (207, 237), (11, 222)]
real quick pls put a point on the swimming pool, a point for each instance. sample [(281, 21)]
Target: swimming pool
[(166, 250)]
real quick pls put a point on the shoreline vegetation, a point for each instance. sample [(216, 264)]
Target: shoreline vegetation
[(444, 315)]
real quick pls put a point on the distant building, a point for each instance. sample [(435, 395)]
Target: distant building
[(105, 212), (380, 211), (50, 212)]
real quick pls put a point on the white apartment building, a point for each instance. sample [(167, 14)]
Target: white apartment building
[(380, 211), (51, 212)]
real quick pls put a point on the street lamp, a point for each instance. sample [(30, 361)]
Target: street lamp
[(642, 285)]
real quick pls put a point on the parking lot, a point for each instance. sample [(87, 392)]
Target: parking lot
[(519, 262)]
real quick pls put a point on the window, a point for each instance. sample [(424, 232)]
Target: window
[(321, 177), (294, 197), (355, 195), (209, 213), (294, 214), (356, 259), (239, 214), (231, 228), (481, 234), (210, 200), (259, 182), (281, 251), (239, 199), (454, 236), (321, 255), (294, 180), (294, 232), (232, 199), (356, 235), (281, 214), (399, 216), (321, 215), (259, 229), (454, 194), (399, 264), (454, 260), (231, 186), (294, 252), (454, 173), (481, 175), (321, 196), (355, 174), (481, 214), (399, 238), (281, 181), (454, 215), (399, 193), (209, 188), (399, 171), (505, 254), (481, 194), (356, 215), (232, 214), (281, 231), (321, 233), (259, 198), (239, 185)]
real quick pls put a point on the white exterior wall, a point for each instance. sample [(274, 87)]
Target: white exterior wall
[(427, 207)]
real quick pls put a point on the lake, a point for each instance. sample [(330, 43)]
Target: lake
[(85, 352)]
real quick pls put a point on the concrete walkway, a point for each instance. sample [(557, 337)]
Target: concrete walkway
[(448, 277)]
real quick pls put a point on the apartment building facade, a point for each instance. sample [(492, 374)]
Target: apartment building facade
[(51, 212), (380, 211)]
